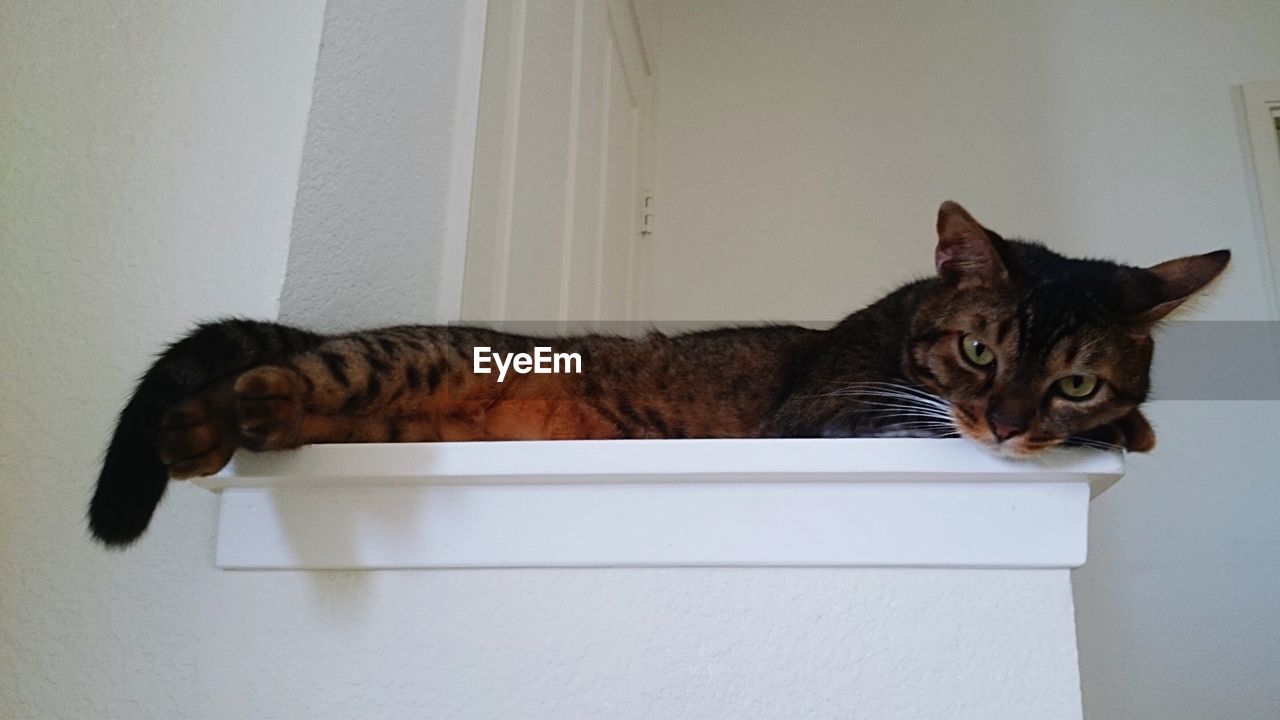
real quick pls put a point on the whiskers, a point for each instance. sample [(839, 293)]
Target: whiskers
[(1091, 443), (895, 409), (890, 409), (1036, 446)]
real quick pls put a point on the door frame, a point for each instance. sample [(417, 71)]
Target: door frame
[(462, 162), (479, 114), (1258, 111)]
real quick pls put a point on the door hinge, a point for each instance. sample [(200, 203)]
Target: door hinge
[(646, 213)]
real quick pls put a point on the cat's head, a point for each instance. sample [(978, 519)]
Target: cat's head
[(1031, 349)]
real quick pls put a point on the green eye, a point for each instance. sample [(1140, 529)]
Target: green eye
[(1078, 387), (976, 352)]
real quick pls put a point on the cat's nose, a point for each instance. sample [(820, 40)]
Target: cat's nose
[(1006, 425)]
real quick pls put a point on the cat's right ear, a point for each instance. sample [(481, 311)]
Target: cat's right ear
[(967, 254)]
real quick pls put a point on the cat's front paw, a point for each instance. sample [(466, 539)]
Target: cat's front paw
[(1131, 432), (268, 408), (196, 438), (261, 410), (1137, 432)]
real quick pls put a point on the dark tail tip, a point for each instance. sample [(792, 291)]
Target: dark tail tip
[(130, 486)]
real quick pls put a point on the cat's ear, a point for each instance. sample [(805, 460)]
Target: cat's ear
[(1177, 280), (967, 254)]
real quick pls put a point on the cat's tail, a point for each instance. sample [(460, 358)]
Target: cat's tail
[(133, 477)]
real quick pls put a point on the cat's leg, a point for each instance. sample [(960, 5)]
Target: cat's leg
[(269, 408), (373, 387), (260, 409), (266, 409), (198, 436), (365, 429), (464, 421), (275, 410)]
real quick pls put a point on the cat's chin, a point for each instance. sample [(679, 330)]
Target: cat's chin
[(998, 449), (1014, 448), (1012, 451), (1021, 451)]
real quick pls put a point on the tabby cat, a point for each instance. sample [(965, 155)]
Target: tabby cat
[(1010, 345)]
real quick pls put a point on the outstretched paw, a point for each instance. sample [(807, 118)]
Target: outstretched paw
[(195, 438), (1131, 432), (268, 408), (1137, 432)]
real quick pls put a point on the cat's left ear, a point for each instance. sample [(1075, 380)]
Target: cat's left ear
[(967, 255), (1177, 280)]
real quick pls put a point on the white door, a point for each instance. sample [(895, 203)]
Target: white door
[(1260, 103), (561, 161)]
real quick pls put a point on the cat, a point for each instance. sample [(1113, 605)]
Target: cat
[(1010, 345)]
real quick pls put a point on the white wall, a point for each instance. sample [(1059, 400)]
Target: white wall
[(803, 149), (373, 202), (151, 167), (816, 139), (152, 160), (151, 157)]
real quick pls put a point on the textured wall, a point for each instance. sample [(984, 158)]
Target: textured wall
[(150, 163), (151, 167), (811, 143), (371, 214), (677, 644)]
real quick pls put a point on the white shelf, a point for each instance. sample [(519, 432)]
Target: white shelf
[(854, 503)]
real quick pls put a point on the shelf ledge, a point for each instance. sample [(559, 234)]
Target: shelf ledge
[(657, 503)]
